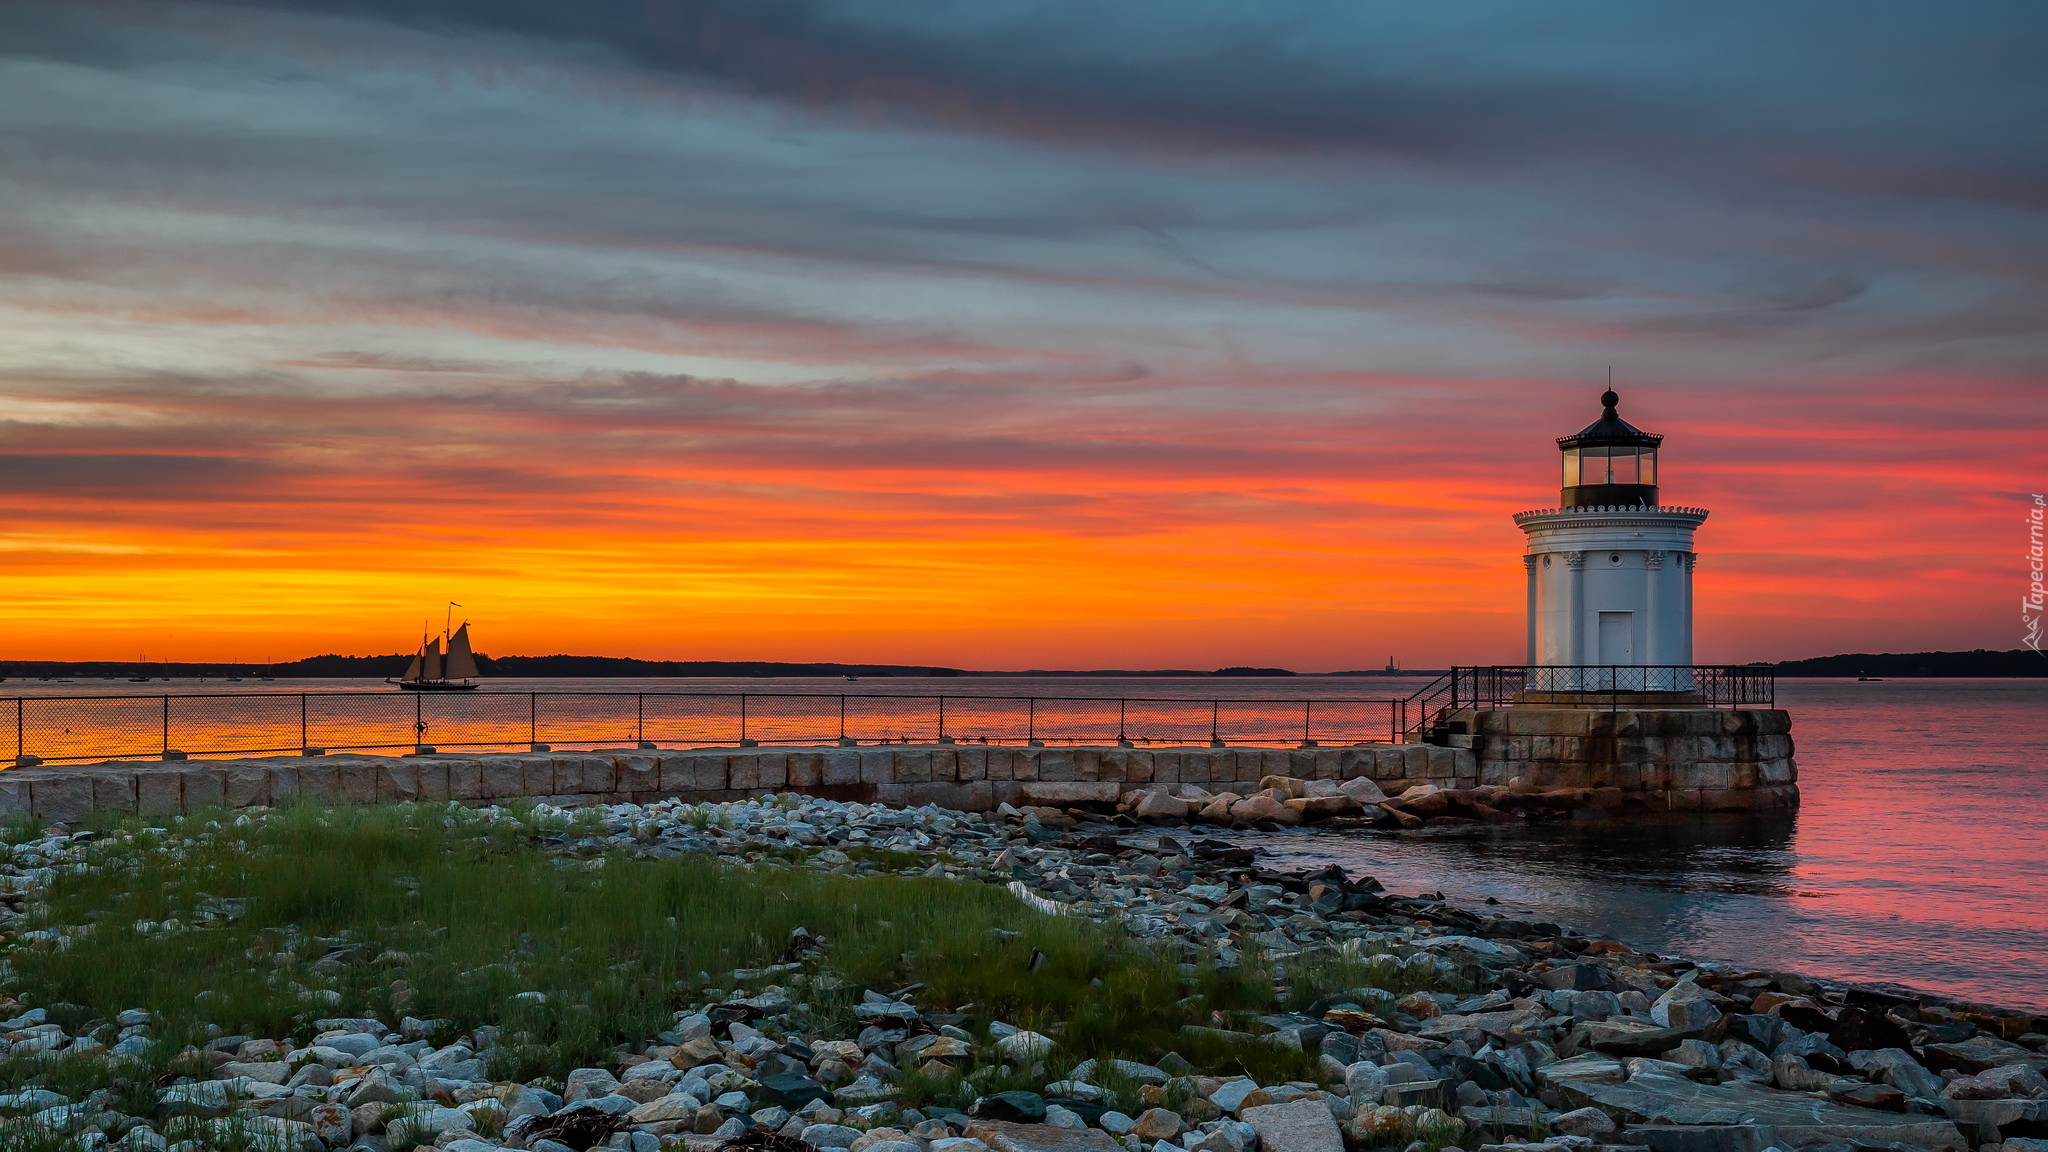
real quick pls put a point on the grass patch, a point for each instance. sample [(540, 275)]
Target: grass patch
[(261, 925)]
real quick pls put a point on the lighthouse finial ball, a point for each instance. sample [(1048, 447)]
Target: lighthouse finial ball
[(1608, 399)]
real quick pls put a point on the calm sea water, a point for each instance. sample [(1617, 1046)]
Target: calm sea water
[(1920, 855)]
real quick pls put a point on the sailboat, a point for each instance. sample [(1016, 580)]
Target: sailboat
[(432, 670)]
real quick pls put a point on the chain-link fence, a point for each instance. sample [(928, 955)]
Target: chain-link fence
[(56, 728)]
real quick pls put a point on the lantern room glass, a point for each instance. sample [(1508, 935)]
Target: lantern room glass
[(1610, 464)]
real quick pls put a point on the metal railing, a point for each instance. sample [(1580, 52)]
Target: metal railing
[(1622, 686), (58, 728)]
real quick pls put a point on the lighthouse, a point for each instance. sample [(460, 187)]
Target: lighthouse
[(1610, 568)]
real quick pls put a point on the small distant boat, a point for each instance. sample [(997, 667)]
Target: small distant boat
[(138, 679), (432, 670), (850, 676), (1871, 679)]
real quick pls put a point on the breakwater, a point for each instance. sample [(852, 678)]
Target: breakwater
[(1615, 772)]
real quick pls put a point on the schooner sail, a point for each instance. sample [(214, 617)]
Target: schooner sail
[(431, 671)]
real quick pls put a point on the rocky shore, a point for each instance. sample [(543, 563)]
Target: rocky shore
[(1464, 1030)]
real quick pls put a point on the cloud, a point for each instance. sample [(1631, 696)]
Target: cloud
[(1030, 325)]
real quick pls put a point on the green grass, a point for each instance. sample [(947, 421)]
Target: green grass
[(437, 913)]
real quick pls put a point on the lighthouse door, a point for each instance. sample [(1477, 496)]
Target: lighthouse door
[(1617, 638)]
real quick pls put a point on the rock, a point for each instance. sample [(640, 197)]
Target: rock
[(1880, 1096), (1217, 811), (1403, 819), (1230, 1095), (370, 1117), (1705, 1137), (1423, 1092), (1323, 807), (1857, 1029), (1896, 1066), (1992, 1115), (1059, 1116), (830, 1135), (1159, 1124), (1625, 1038), (2019, 1145), (1025, 1046), (1658, 1099), (422, 1126), (1364, 1080), (1296, 1126), (1695, 1054), (664, 1109), (792, 1089), (1590, 1122), (1420, 1005), (956, 1144), (1793, 1075), (1005, 1136), (2010, 1082), (1363, 790), (1222, 1138), (1263, 807), (1011, 1107), (1591, 1068), (587, 1083), (1381, 1126), (332, 1124), (1981, 1054), (377, 1087), (267, 1071), (1116, 1123), (1155, 805)]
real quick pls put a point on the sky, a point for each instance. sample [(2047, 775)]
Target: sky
[(1000, 334)]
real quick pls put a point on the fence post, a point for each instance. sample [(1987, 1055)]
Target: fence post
[(743, 719), (167, 722), (302, 722), (1120, 737), (419, 720), (1215, 726), (532, 719), (640, 717), (842, 717), (1305, 706), (942, 719), (19, 751), (1031, 721)]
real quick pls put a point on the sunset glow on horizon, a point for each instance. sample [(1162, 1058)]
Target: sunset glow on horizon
[(983, 338)]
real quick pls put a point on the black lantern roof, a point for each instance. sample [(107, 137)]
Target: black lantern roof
[(1610, 429)]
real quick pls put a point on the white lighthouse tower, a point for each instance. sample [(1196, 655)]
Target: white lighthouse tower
[(1610, 569)]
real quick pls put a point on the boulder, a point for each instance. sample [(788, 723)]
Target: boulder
[(1588, 1122), (1363, 790), (1155, 805), (1323, 807), (1263, 807), (1157, 1124), (1653, 1098), (1010, 1107), (1296, 1126), (1217, 811), (1857, 1029), (1231, 1094), (1981, 1054), (1005, 1136), (588, 1083)]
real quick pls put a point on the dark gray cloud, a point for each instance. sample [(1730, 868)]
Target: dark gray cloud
[(1889, 99)]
